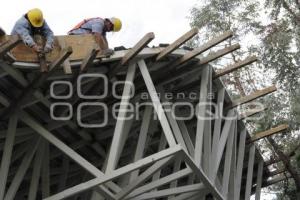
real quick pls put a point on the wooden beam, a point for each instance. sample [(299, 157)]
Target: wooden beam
[(66, 64), (272, 131), (137, 48), (172, 74), (88, 61), (34, 183), (251, 113), (218, 54), (276, 172), (169, 49), (190, 55), (290, 154), (13, 41), (235, 66), (63, 56), (40, 41), (7, 153), (276, 180), (27, 92), (23, 167), (252, 97), (81, 44)]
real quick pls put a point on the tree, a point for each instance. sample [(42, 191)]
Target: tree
[(273, 26)]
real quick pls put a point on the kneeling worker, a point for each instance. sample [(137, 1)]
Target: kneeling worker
[(33, 23), (98, 27)]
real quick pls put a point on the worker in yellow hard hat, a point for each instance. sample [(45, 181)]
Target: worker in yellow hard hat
[(33, 23), (98, 27)]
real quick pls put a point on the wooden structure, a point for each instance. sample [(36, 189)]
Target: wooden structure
[(71, 133)]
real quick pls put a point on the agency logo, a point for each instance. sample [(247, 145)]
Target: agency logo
[(63, 110)]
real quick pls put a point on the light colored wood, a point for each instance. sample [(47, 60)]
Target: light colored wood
[(137, 48), (66, 64), (169, 49), (253, 96), (251, 113), (89, 59), (218, 54), (190, 55), (269, 132), (81, 45), (235, 66), (9, 44)]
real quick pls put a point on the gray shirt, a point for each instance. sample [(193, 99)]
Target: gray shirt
[(25, 30), (95, 25)]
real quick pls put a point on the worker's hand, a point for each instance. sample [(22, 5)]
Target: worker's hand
[(108, 52), (37, 48), (48, 48)]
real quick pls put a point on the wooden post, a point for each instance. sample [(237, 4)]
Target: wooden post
[(177, 43), (252, 97), (269, 132)]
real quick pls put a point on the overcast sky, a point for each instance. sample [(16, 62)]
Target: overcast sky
[(168, 19)]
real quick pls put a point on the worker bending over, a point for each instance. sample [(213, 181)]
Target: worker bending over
[(33, 23), (98, 27)]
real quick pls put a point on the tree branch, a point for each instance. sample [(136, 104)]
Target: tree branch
[(289, 9), (287, 163)]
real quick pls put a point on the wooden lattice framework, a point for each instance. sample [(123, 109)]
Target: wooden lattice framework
[(155, 157)]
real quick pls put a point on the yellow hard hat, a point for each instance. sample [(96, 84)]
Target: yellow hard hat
[(35, 17), (117, 24)]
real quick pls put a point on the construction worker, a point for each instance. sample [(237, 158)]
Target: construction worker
[(98, 27), (33, 23)]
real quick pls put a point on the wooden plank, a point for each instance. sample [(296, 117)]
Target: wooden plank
[(250, 113), (11, 43), (143, 177), (23, 167), (88, 61), (29, 90), (276, 180), (137, 48), (253, 96), (169, 49), (7, 153), (190, 55), (269, 132), (235, 66), (61, 58), (34, 183), (81, 44), (41, 55), (66, 64), (250, 172), (276, 172), (218, 54), (259, 179)]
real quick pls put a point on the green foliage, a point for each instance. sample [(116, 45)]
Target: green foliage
[(273, 29)]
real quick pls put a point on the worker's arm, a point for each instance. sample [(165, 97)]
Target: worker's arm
[(97, 30), (48, 34), (101, 41), (21, 28)]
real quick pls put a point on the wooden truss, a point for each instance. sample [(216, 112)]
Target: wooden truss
[(158, 156)]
